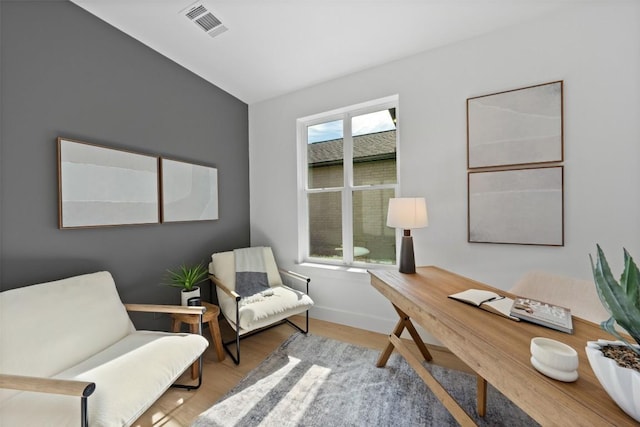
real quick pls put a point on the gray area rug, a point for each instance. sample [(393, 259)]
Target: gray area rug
[(316, 381)]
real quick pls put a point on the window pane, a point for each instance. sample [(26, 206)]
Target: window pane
[(373, 241), (325, 155), (374, 148), (325, 225)]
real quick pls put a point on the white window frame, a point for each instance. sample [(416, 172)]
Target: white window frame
[(348, 188)]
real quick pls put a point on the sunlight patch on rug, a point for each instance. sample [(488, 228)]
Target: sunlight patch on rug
[(235, 407), (295, 403)]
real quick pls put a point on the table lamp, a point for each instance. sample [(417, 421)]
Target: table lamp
[(407, 213)]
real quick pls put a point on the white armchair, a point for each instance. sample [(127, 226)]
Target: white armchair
[(271, 307)]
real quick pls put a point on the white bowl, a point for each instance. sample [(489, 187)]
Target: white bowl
[(556, 374), (554, 354), (622, 384)]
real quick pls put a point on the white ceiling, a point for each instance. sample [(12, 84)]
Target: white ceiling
[(273, 47)]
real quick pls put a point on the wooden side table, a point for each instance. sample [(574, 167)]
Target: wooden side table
[(210, 316)]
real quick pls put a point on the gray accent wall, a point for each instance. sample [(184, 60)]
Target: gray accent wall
[(66, 73)]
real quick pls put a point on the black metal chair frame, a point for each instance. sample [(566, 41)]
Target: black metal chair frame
[(236, 357)]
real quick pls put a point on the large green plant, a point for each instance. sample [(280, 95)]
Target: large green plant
[(187, 278), (622, 300)]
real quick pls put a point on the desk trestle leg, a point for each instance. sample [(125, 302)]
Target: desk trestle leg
[(443, 396), (404, 322), (440, 392), (482, 396)]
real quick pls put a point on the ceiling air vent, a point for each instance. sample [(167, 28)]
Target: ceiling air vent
[(198, 14)]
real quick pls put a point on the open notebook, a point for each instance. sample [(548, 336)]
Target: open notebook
[(487, 300)]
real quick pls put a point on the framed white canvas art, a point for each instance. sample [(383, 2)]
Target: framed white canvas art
[(519, 206), (101, 186), (189, 191), (516, 127)]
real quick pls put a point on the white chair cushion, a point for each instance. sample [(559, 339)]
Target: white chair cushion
[(139, 367), (283, 303), (579, 295)]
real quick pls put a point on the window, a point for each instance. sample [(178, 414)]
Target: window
[(348, 173)]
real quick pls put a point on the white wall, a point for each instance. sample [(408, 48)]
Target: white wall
[(595, 49)]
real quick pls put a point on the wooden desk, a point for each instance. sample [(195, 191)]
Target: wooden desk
[(496, 348)]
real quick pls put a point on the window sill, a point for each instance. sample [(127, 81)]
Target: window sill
[(332, 267), (343, 269)]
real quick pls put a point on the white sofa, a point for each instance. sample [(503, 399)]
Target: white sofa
[(60, 340)]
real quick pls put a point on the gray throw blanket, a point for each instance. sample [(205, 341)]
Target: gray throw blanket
[(251, 274)]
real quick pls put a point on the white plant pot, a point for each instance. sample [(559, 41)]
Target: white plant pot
[(186, 295), (622, 384)]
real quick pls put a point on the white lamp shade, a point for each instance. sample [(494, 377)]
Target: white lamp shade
[(407, 213)]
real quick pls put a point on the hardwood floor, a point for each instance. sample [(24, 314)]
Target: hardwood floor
[(180, 407)]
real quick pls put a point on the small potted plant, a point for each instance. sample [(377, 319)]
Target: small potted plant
[(617, 364), (186, 278)]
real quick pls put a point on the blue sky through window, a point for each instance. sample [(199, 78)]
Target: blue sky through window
[(361, 125), (324, 132)]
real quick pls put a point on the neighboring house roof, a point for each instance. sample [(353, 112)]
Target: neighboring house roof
[(372, 146)]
